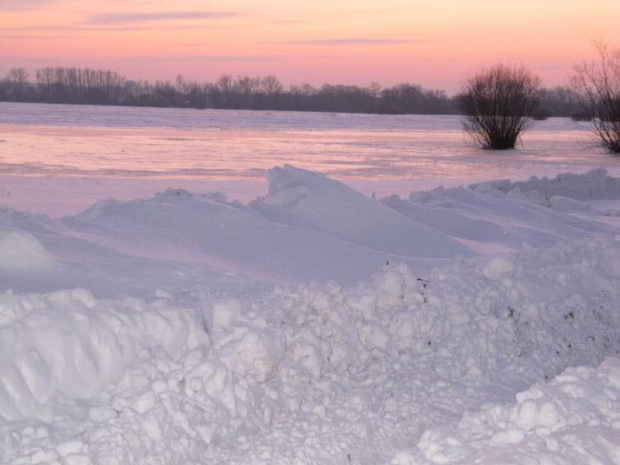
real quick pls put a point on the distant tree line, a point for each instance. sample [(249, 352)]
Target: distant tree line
[(102, 87)]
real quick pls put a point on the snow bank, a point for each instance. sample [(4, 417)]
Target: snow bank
[(313, 374), (573, 419)]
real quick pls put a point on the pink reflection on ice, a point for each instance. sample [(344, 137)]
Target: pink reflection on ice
[(224, 145)]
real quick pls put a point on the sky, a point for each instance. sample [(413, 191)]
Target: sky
[(435, 43)]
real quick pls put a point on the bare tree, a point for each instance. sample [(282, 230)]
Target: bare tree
[(19, 77), (498, 105), (271, 88), (375, 89), (270, 85), (182, 85), (597, 85)]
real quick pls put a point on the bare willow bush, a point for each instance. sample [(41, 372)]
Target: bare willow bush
[(597, 86), (498, 104)]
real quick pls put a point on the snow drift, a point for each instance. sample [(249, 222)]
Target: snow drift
[(330, 232), (308, 228), (303, 198)]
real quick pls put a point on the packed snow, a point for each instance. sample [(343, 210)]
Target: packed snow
[(316, 325)]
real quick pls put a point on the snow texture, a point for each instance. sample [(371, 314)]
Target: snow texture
[(572, 419)]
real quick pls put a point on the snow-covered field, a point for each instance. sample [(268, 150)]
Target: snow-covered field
[(313, 324)]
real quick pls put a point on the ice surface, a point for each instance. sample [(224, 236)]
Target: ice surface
[(130, 152), (184, 329), (104, 116)]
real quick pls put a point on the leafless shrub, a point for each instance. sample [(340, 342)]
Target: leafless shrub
[(498, 104), (597, 85)]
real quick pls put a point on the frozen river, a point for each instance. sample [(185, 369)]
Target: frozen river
[(145, 149)]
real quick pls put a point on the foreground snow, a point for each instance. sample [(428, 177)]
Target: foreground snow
[(184, 329), (573, 419)]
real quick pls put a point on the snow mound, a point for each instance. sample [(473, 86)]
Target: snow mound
[(575, 418), (21, 252), (306, 199)]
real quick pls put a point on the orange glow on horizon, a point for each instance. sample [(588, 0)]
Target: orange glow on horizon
[(433, 43)]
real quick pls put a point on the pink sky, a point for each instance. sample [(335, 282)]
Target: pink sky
[(436, 43)]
